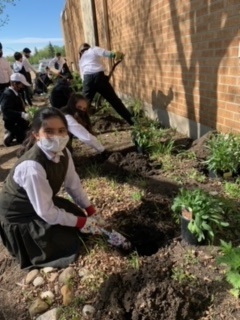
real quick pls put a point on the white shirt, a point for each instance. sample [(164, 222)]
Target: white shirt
[(90, 61), (28, 67), (5, 70), (17, 66), (60, 62), (31, 176), (82, 134)]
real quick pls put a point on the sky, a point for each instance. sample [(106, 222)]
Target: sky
[(31, 23)]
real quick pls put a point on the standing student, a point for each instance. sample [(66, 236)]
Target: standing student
[(28, 67), (5, 72), (79, 124), (18, 67), (37, 226), (13, 110), (94, 79)]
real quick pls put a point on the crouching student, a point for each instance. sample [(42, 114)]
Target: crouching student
[(38, 227), (13, 110), (79, 124)]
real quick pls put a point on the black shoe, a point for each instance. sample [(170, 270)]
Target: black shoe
[(8, 139)]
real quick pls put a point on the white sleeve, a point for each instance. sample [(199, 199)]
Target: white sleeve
[(101, 52), (82, 134), (31, 176), (51, 65), (29, 66), (80, 70), (73, 185)]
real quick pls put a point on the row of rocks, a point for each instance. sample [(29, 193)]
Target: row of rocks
[(61, 283)]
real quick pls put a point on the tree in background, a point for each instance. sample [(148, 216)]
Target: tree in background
[(40, 54), (3, 3), (51, 50)]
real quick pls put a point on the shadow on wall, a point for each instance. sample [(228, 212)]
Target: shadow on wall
[(220, 26), (161, 101)]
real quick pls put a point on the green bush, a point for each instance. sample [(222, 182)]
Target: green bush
[(224, 153), (207, 212), (231, 258)]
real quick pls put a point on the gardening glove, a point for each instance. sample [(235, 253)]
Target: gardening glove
[(91, 212), (88, 225), (25, 116), (118, 55)]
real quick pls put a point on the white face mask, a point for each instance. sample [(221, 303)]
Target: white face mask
[(54, 144)]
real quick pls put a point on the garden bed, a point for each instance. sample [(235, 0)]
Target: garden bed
[(161, 277)]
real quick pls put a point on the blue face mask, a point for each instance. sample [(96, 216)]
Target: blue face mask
[(54, 144)]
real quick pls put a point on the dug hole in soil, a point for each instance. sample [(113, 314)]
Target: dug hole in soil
[(170, 280)]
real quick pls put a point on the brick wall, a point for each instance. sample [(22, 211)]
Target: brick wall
[(181, 58)]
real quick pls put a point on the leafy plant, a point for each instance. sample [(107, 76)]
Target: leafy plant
[(224, 153), (232, 189), (150, 137), (179, 275), (133, 261), (196, 176), (31, 112), (206, 212), (76, 82), (231, 258)]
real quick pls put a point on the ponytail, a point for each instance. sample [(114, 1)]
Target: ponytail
[(27, 144)]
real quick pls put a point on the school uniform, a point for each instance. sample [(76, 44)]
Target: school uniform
[(94, 80), (18, 67), (78, 130), (37, 226), (12, 107), (28, 67)]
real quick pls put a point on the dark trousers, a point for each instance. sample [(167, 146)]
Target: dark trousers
[(98, 82), (18, 128)]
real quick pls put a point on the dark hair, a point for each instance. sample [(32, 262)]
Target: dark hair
[(40, 116), (17, 56), (83, 47), (27, 50), (80, 116), (71, 104), (58, 54)]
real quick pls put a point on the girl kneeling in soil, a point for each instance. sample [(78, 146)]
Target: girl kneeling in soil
[(38, 227), (79, 124)]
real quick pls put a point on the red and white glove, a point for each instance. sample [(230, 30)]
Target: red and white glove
[(91, 212), (88, 225)]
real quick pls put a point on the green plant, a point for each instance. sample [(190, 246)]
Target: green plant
[(76, 82), (206, 212), (232, 189), (137, 196), (224, 153), (31, 112), (150, 137), (188, 155), (196, 176), (231, 258), (181, 276), (133, 260)]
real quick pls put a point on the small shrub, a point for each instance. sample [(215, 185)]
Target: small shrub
[(224, 153), (231, 258), (206, 212)]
